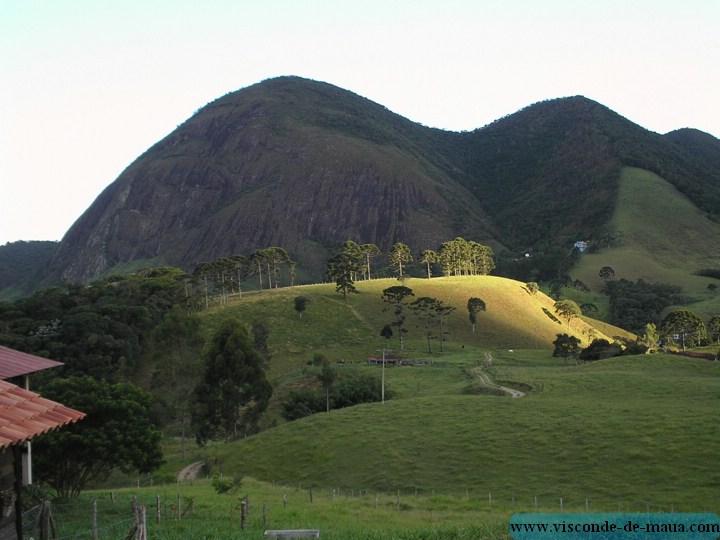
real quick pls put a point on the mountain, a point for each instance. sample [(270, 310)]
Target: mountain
[(287, 162), (306, 165)]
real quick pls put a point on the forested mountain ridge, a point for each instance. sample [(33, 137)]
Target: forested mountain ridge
[(306, 165)]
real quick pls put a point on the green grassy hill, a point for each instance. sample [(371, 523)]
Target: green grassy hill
[(664, 238), (624, 433)]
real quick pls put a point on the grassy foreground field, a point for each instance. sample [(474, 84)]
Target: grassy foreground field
[(622, 432), (628, 434)]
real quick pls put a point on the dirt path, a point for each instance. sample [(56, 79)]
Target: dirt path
[(486, 381), (190, 472)]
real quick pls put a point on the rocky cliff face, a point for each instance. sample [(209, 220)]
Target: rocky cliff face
[(288, 162)]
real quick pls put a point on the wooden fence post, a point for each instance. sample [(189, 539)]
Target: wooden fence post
[(46, 522), (94, 521), (243, 513), (157, 506)]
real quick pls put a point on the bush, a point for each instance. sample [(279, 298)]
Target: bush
[(600, 349)]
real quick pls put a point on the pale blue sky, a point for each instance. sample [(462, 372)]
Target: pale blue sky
[(87, 85)]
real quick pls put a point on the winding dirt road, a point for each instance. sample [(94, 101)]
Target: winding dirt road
[(485, 380)]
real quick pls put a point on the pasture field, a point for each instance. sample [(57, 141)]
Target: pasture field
[(635, 433)]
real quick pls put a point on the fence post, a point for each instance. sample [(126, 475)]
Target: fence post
[(139, 530), (243, 513), (265, 515), (178, 508), (94, 521), (157, 506)]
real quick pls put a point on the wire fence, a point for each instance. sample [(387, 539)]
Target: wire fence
[(116, 516)]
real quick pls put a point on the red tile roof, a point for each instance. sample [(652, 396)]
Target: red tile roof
[(15, 363), (25, 414)]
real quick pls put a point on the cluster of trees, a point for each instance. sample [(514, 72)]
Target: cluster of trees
[(633, 304), (680, 328), (431, 313), (225, 275), (457, 257)]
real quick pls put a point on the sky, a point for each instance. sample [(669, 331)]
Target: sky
[(86, 86)]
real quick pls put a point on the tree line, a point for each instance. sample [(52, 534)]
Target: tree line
[(458, 257)]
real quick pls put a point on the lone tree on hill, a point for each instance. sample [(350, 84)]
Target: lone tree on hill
[(327, 377), (234, 392), (344, 266), (474, 306), (606, 273), (301, 303), (568, 310)]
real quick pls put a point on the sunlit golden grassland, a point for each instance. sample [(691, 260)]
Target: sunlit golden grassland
[(350, 329)]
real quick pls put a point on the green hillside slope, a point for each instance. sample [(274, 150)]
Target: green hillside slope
[(664, 238), (625, 433)]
